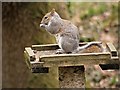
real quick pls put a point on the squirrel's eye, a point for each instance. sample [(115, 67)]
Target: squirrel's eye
[(46, 17)]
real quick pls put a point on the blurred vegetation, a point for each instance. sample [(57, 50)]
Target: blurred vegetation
[(20, 22)]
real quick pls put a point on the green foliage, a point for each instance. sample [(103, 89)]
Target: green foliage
[(83, 39), (113, 80), (94, 10)]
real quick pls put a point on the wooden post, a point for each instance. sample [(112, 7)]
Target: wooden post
[(72, 77)]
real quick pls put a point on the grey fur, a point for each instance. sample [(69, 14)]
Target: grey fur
[(68, 40)]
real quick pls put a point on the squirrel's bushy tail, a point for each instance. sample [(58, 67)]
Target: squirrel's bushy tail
[(89, 44)]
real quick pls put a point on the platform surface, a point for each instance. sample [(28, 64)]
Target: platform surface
[(70, 67), (45, 56)]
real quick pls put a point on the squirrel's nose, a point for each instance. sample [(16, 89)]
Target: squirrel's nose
[(41, 25)]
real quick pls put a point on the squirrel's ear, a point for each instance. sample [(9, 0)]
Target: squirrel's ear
[(52, 11)]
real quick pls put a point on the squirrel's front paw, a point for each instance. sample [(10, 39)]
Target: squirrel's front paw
[(59, 51)]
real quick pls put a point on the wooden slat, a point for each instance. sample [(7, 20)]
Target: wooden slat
[(113, 60), (30, 53), (36, 64), (77, 62), (112, 49), (74, 59), (84, 56), (27, 59), (45, 47)]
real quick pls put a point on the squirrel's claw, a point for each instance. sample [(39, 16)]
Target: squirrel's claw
[(59, 51)]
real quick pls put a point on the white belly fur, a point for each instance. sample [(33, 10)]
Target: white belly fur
[(59, 40)]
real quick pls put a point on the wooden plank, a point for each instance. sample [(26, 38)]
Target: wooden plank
[(36, 64), (30, 53), (84, 56), (114, 60), (76, 62), (74, 59), (45, 47), (112, 49), (27, 59)]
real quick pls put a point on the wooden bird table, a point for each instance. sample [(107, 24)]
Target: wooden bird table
[(71, 71)]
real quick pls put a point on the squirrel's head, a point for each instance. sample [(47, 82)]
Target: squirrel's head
[(48, 17)]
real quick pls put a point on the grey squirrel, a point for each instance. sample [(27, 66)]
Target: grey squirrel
[(66, 33)]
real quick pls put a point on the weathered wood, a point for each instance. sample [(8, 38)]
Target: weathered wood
[(72, 77), (45, 47), (61, 60), (112, 49), (41, 58), (36, 64), (27, 59), (75, 59), (75, 63), (35, 67), (30, 53), (59, 57), (114, 60)]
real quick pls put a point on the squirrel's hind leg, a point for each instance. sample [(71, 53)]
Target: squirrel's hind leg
[(75, 51)]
